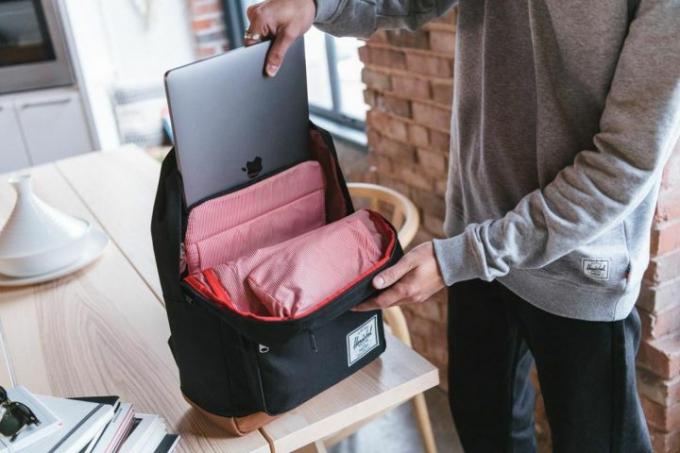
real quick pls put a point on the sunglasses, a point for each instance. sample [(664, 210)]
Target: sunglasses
[(16, 417)]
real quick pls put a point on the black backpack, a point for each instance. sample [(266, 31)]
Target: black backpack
[(234, 366)]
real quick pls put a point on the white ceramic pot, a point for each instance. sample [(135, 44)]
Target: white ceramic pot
[(37, 238)]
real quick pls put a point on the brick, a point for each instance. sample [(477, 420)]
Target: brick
[(394, 183), (411, 87), (205, 51), (428, 64), (382, 164), (660, 323), (364, 54), (433, 160), (431, 116), (665, 442), (663, 268), (666, 237), (434, 225), (370, 97), (444, 307), (206, 8), (387, 125), (665, 392), (670, 180), (422, 236), (411, 177), (418, 135), (440, 141), (204, 24), (450, 17), (379, 37), (429, 202), (443, 41), (661, 356), (392, 148), (421, 327), (430, 310), (375, 79), (418, 39), (442, 93), (665, 419), (660, 297), (668, 206), (387, 57), (394, 105)]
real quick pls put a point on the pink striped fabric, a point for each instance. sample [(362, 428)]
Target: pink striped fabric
[(290, 278), (268, 212)]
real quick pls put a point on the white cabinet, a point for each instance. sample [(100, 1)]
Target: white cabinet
[(53, 125), (41, 126), (12, 150)]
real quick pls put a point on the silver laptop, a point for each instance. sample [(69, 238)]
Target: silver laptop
[(232, 124)]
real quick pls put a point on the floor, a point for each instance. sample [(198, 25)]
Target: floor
[(397, 432)]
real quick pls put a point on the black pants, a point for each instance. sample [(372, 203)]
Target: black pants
[(586, 371)]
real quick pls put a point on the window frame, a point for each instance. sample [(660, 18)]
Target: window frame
[(234, 20)]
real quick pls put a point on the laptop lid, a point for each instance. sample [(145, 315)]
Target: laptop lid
[(232, 124)]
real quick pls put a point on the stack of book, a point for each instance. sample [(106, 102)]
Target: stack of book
[(95, 424)]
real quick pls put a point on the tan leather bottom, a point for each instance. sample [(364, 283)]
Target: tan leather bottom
[(237, 426)]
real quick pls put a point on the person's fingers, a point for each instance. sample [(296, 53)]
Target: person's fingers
[(250, 11), (391, 296), (392, 274), (259, 27), (282, 42)]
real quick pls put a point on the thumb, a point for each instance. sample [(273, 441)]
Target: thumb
[(278, 50), (392, 274)]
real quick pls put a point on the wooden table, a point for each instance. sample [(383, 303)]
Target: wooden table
[(103, 329)]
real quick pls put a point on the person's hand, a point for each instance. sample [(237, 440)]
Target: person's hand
[(413, 280), (283, 20)]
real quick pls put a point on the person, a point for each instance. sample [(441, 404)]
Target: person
[(564, 114)]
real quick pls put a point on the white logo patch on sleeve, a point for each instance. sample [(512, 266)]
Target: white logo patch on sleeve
[(595, 269), (362, 340)]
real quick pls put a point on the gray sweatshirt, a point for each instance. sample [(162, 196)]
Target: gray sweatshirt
[(565, 113)]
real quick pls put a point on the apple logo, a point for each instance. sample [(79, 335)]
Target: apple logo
[(253, 167)]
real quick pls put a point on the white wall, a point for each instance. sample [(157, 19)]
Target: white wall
[(114, 44)]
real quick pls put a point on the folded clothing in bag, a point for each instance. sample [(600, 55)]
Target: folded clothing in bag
[(292, 278), (278, 208)]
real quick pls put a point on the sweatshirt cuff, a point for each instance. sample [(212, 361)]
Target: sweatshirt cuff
[(456, 259), (326, 10)]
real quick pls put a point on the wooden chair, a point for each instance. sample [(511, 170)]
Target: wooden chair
[(405, 217)]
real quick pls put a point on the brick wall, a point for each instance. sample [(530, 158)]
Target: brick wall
[(207, 25), (659, 307), (408, 79)]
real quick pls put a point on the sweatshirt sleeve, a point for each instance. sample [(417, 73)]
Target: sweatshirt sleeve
[(361, 18), (639, 127)]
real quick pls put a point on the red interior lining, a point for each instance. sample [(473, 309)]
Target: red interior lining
[(273, 210), (216, 291)]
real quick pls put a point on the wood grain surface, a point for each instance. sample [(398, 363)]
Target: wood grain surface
[(101, 330)]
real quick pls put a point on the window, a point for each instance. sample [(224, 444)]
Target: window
[(333, 74)]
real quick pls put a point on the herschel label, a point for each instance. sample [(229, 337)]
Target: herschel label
[(362, 340)]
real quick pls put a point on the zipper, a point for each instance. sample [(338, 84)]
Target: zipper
[(182, 258)]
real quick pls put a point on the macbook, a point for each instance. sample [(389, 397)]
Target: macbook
[(232, 124)]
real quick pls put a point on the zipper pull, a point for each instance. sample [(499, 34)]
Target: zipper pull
[(312, 340), (182, 258), (263, 349)]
